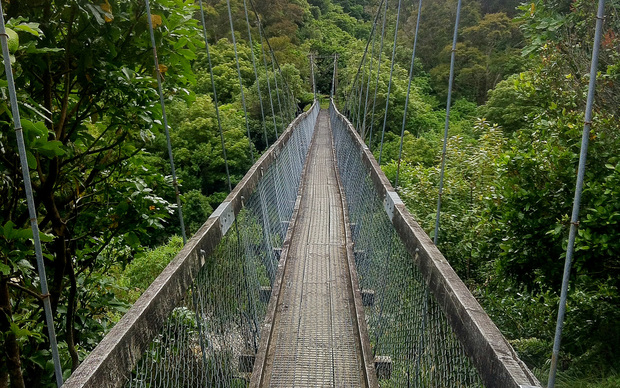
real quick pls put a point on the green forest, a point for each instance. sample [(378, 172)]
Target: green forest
[(105, 200)]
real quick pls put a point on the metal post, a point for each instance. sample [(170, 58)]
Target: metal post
[(32, 211), (574, 222), (445, 133), (165, 117)]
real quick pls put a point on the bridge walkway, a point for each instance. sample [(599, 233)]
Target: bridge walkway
[(315, 340)]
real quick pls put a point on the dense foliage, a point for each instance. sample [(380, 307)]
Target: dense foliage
[(99, 163)]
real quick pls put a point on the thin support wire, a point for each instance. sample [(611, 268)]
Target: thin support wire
[(349, 99), (260, 30), (32, 211), (447, 125), (334, 76), (402, 131), (262, 48), (313, 79), (175, 183), (374, 102), (260, 96), (574, 224), (372, 57), (275, 61), (359, 104), (387, 98), (215, 100), (245, 110)]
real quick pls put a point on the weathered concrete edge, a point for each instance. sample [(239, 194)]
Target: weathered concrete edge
[(260, 362), (370, 374), (494, 358), (107, 365)]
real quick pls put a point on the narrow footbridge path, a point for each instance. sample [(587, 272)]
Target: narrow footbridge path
[(315, 339), (312, 273)]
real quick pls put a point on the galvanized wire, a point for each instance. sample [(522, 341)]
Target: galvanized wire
[(402, 132), (175, 182), (447, 124), (387, 98), (374, 100), (574, 222), (32, 210), (405, 322), (210, 339), (242, 92)]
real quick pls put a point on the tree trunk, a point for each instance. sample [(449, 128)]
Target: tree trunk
[(11, 353)]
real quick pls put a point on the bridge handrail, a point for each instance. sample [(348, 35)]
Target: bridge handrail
[(492, 355), (110, 363)]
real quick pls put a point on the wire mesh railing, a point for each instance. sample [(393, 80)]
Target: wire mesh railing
[(198, 323), (425, 327)]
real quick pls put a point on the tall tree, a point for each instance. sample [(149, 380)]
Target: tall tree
[(84, 73)]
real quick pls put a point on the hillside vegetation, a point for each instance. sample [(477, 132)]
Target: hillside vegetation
[(106, 204)]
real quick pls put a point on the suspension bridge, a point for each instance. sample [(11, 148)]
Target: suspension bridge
[(311, 273)]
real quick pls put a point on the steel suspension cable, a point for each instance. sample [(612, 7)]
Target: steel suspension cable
[(264, 55), (387, 98), (32, 211), (361, 92), (447, 124), (402, 131), (374, 102), (282, 102), (574, 222), (245, 110), (165, 117), (275, 80), (215, 99), (260, 96), (275, 60), (313, 79), (263, 36), (334, 76), (372, 55), (285, 87), (363, 60), (359, 104)]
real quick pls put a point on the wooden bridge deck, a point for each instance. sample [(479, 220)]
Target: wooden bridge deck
[(316, 339)]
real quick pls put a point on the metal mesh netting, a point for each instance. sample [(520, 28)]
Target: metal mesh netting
[(211, 338), (405, 323)]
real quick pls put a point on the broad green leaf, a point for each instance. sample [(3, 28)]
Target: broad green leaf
[(52, 149), (5, 269), (32, 161), (31, 28)]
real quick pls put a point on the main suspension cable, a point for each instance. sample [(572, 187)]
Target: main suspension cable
[(374, 102), (387, 98), (260, 96), (245, 111), (215, 99), (264, 55), (447, 124), (363, 60), (32, 210), (165, 117), (402, 131)]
